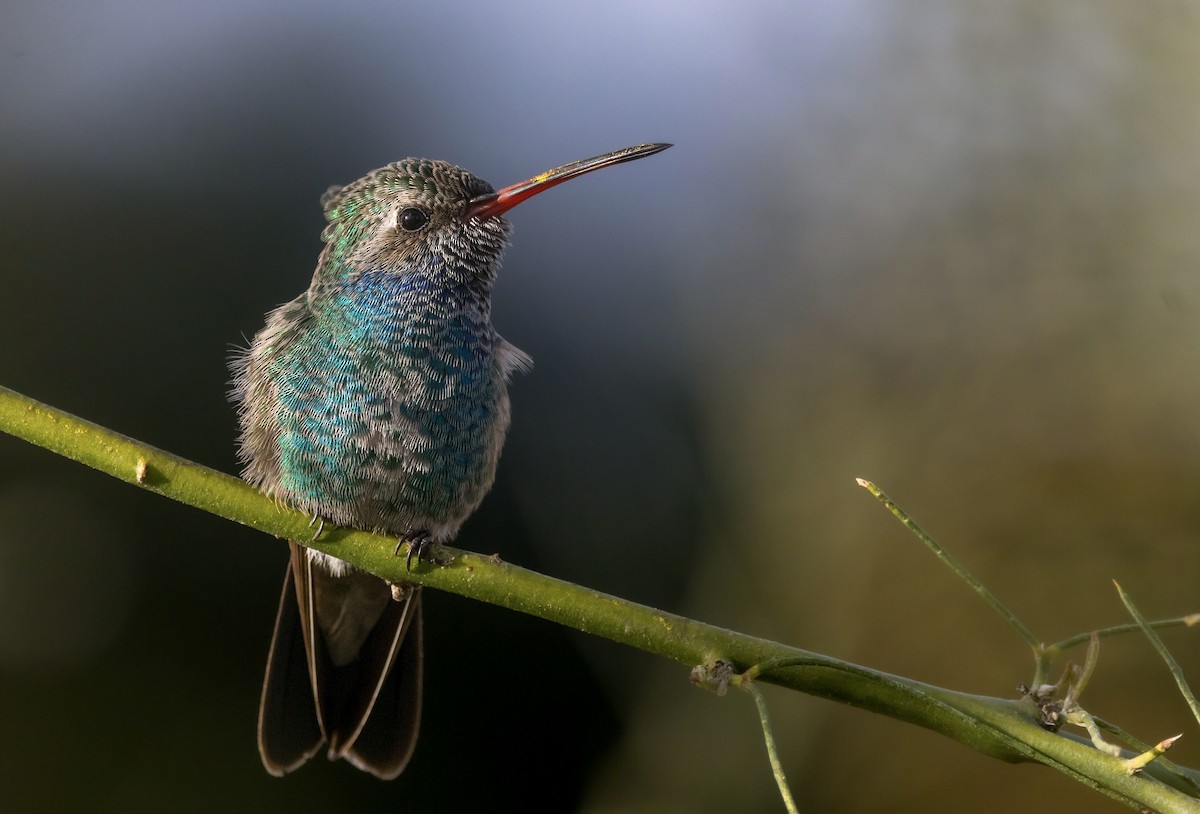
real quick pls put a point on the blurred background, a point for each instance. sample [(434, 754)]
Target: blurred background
[(953, 248)]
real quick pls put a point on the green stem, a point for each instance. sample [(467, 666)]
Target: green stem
[(1058, 647), (952, 562), (1003, 729), (764, 720), (1172, 665)]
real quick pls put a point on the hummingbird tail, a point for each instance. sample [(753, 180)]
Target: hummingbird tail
[(363, 699)]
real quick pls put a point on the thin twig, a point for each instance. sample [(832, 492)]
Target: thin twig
[(1163, 652), (772, 752), (1054, 649), (952, 562)]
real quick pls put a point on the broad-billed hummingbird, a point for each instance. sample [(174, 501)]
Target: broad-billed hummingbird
[(378, 400)]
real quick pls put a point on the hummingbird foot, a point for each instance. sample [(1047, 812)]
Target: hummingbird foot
[(420, 545), (320, 523)]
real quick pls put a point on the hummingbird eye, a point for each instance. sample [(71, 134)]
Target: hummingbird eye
[(412, 219)]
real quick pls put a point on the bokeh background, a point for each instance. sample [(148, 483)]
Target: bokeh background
[(951, 247)]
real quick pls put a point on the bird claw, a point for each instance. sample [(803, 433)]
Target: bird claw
[(320, 523), (420, 545)]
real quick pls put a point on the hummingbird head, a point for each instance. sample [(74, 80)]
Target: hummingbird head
[(408, 215), (434, 216)]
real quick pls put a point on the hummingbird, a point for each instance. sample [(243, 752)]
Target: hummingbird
[(378, 399)]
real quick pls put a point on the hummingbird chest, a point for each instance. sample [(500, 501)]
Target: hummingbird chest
[(391, 418)]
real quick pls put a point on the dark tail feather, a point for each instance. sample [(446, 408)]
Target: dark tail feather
[(288, 730), (386, 739)]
